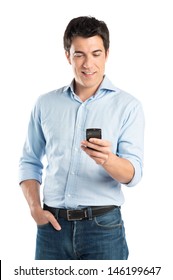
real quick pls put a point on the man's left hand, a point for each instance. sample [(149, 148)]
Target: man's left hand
[(98, 149)]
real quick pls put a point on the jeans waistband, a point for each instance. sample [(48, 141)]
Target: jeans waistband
[(75, 215)]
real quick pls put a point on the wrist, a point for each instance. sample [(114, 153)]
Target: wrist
[(35, 209), (108, 159)]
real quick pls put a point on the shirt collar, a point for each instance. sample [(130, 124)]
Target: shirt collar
[(105, 85)]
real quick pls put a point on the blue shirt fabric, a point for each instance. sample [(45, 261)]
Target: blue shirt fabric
[(57, 126)]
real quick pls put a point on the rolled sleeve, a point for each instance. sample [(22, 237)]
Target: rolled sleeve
[(131, 142), (30, 164)]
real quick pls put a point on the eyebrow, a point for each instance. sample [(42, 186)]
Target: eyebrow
[(99, 50)]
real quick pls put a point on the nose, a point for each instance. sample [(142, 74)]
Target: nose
[(87, 62)]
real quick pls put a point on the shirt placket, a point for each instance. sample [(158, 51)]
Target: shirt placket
[(79, 135)]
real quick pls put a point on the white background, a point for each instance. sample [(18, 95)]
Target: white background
[(32, 62)]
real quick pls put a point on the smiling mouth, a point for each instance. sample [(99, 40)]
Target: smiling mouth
[(87, 73)]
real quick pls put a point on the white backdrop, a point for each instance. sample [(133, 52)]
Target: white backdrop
[(32, 62)]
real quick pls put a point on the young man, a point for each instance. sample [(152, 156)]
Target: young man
[(81, 215)]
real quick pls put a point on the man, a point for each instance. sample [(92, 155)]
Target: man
[(82, 197)]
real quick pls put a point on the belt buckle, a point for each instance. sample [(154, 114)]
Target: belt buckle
[(69, 214)]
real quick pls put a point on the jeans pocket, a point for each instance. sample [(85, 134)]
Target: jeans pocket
[(110, 220), (43, 226)]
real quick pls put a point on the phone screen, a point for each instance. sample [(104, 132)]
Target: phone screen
[(93, 133)]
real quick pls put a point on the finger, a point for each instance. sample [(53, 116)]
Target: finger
[(100, 142), (91, 149), (86, 144), (53, 220), (99, 158), (99, 161)]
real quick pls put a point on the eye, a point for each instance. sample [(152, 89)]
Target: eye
[(97, 53), (78, 54)]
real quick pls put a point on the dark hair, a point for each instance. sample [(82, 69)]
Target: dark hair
[(86, 27)]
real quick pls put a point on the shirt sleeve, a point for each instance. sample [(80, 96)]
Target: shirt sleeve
[(131, 140), (30, 165)]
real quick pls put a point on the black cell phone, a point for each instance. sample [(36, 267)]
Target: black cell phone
[(93, 133)]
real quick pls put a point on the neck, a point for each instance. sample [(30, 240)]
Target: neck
[(85, 92)]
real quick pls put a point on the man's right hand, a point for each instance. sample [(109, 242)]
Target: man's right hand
[(43, 217)]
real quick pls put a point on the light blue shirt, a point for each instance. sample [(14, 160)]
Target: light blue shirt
[(58, 125)]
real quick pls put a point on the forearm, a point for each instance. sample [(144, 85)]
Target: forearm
[(119, 168), (31, 191)]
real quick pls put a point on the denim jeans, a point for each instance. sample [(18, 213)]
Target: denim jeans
[(100, 238)]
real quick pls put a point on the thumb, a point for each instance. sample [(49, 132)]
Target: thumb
[(53, 221)]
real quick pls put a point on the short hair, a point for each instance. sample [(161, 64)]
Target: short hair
[(85, 26)]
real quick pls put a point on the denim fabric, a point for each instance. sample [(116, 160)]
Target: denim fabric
[(101, 238)]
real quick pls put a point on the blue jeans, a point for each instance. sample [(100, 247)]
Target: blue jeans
[(101, 238)]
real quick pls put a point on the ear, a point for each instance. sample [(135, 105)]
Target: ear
[(67, 54)]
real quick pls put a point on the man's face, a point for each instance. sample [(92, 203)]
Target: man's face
[(87, 57)]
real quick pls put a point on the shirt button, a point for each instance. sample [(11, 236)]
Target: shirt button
[(73, 173)]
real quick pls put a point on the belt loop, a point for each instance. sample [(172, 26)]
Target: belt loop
[(89, 209), (56, 213)]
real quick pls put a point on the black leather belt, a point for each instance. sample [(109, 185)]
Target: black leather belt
[(75, 215)]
